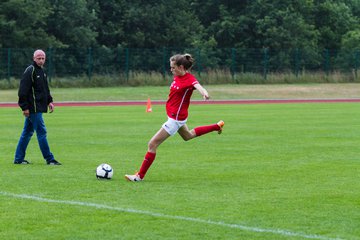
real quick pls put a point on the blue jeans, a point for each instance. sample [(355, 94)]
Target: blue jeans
[(34, 122)]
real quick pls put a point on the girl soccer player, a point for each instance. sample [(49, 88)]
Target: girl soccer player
[(177, 107)]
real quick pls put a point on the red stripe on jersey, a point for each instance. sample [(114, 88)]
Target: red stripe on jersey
[(182, 101), (178, 102)]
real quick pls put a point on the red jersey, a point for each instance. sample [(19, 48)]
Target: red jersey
[(178, 102)]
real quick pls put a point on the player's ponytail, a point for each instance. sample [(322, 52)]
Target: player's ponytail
[(185, 59), (189, 61)]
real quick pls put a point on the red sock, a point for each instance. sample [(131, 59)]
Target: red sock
[(206, 129), (148, 160)]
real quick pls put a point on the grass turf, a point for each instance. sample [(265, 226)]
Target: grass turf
[(217, 92), (278, 171)]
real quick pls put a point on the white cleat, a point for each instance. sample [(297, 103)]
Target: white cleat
[(133, 178), (221, 124)]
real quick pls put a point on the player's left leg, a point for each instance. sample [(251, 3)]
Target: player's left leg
[(150, 155)]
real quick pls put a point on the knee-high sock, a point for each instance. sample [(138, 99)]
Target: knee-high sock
[(148, 160), (206, 129)]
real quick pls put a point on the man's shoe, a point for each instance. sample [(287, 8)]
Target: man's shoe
[(221, 124), (133, 178), (53, 162), (22, 162)]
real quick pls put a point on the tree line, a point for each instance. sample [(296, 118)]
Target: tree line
[(273, 24), (115, 37)]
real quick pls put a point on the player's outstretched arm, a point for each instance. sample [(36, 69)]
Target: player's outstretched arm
[(202, 91)]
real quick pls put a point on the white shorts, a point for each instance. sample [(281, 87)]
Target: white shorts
[(171, 126)]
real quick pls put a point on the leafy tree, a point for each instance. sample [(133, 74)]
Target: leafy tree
[(281, 24), (160, 24), (348, 57), (281, 33), (23, 24), (355, 7), (111, 22), (280, 28), (333, 19), (224, 21), (73, 23), (228, 29), (351, 40)]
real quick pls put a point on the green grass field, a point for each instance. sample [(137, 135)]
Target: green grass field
[(278, 171), (217, 92)]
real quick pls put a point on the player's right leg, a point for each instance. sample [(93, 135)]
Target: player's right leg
[(201, 130)]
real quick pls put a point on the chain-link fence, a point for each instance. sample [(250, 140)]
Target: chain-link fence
[(71, 62)]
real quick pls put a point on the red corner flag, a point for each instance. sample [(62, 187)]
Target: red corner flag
[(148, 106)]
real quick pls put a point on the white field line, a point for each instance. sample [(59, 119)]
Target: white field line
[(160, 215)]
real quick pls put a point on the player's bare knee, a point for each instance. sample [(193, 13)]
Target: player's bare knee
[(152, 145), (188, 137)]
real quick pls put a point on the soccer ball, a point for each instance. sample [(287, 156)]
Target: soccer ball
[(104, 171)]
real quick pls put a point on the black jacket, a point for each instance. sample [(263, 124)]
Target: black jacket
[(34, 93)]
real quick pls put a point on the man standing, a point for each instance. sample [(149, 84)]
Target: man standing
[(35, 99)]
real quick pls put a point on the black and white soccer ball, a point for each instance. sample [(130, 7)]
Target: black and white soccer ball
[(104, 171)]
